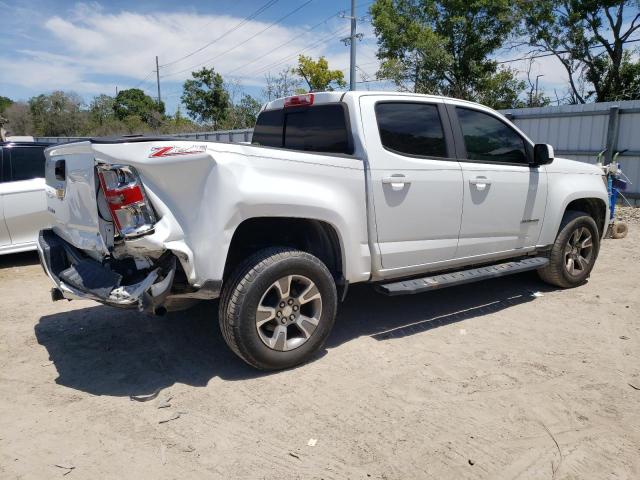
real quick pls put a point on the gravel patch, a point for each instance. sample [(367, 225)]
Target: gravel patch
[(628, 214)]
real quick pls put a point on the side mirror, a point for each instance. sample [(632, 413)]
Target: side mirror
[(542, 154)]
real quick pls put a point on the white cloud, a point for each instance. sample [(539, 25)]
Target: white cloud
[(45, 75), (90, 45), (89, 50)]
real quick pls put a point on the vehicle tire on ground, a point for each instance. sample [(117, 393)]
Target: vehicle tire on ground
[(277, 308), (574, 252), (619, 230)]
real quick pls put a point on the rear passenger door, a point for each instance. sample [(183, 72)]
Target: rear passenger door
[(23, 196), (504, 194), (416, 184)]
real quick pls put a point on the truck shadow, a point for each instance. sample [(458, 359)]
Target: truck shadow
[(105, 351), (22, 259)]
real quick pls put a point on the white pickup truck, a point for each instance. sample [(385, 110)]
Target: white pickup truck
[(410, 192)]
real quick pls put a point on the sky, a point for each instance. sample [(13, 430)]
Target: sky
[(95, 47)]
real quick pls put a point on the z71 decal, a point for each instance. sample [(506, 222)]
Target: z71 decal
[(174, 150)]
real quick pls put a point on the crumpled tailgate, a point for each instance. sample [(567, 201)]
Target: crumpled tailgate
[(71, 189)]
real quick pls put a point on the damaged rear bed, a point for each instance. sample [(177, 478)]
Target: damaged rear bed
[(112, 239)]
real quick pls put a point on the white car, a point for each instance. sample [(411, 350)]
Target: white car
[(23, 205), (411, 192)]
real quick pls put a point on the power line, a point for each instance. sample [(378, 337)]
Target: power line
[(543, 55), (144, 79), (295, 10), (264, 7), (333, 36), (282, 60), (287, 42), (339, 12)]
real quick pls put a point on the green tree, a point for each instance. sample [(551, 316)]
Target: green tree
[(630, 77), (101, 109), (242, 114), (589, 38), (19, 119), (133, 102), (205, 98), (5, 102), (178, 124), (317, 74), (501, 90), (58, 113), (444, 47), (284, 84)]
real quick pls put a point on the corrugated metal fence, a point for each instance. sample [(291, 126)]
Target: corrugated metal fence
[(578, 132)]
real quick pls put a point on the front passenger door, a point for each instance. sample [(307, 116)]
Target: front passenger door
[(504, 195)]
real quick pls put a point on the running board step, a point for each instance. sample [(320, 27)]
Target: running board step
[(461, 277)]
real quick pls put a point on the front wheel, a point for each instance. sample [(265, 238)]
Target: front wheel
[(574, 252), (277, 309)]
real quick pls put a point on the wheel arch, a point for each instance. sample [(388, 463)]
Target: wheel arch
[(595, 207), (311, 235), (563, 196)]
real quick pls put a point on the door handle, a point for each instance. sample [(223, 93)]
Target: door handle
[(397, 182), (480, 182)]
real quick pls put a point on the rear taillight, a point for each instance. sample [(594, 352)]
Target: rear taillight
[(128, 203), (299, 100)]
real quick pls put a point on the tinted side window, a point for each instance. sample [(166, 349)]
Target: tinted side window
[(317, 129), (411, 128), (487, 138), (269, 128), (26, 163)]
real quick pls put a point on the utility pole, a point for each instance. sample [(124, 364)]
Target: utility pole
[(351, 40), (352, 72), (158, 80), (537, 77)]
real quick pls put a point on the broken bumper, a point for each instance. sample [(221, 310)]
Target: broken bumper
[(77, 276)]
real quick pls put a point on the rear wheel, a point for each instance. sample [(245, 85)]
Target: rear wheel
[(278, 308), (574, 252)]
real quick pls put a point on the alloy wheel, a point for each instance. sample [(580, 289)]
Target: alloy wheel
[(578, 253), (289, 312)]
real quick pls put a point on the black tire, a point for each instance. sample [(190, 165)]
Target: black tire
[(243, 292), (556, 272), (619, 230)]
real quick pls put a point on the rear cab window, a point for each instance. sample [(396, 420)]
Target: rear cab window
[(319, 128)]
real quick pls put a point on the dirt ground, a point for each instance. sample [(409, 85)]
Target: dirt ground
[(504, 379)]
